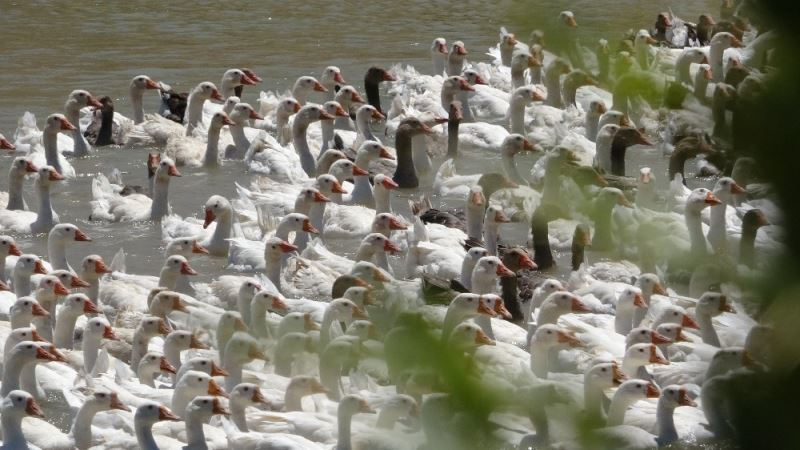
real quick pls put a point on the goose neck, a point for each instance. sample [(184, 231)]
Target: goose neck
[(452, 137), (578, 255), (144, 435), (196, 438), (466, 272), (542, 255), (665, 421), (603, 151), (238, 416), (106, 128), (618, 150), (540, 354), (258, 319), (272, 270), (160, 206), (344, 418), (22, 284), (475, 215), (715, 54), (220, 244), (65, 328), (623, 320), (194, 111), (307, 160), (707, 331), (603, 238), (593, 400), (81, 148), (405, 174), (136, 96), (12, 432), (490, 238), (45, 219), (82, 426), (373, 94), (510, 168), (212, 147), (327, 134), (56, 251), (16, 202), (363, 128), (747, 248), (11, 372), (510, 294), (293, 400), (553, 84), (616, 411), (517, 114), (696, 238)]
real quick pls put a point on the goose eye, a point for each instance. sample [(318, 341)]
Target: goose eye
[(643, 332), (675, 314), (639, 386), (150, 407), (199, 379), (604, 369), (641, 350)]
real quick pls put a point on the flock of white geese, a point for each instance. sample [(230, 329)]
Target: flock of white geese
[(310, 347)]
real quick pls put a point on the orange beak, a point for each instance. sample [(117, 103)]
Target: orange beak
[(359, 172), (579, 307), (359, 313), (618, 375), (652, 391), (247, 81), (165, 414), (482, 339), (108, 333), (178, 305), (100, 267), (297, 107), (196, 344), (724, 306), (39, 267), (442, 48), (688, 322), (642, 139), (319, 88), (464, 86), (538, 96), (217, 371), (66, 125), (278, 304), (638, 301), (165, 366), (78, 283), (356, 98), (80, 236), (659, 289), (255, 115), (658, 338), (325, 116), (503, 271), (217, 96), (390, 247), (319, 198), (500, 309), (197, 248), (55, 176), (43, 354), (173, 171), (389, 184), (461, 50), (570, 21), (186, 269), (526, 262), (395, 224), (6, 145), (569, 339), (258, 397), (337, 188), (216, 389), (655, 358), (684, 399), (32, 409), (527, 145), (226, 120), (500, 217), (377, 115), (219, 409), (476, 198), (340, 112), (38, 310), (736, 189), (150, 84), (60, 289), (339, 78), (736, 42), (287, 247), (30, 167), (116, 404), (485, 310), (707, 74), (90, 308), (308, 228)]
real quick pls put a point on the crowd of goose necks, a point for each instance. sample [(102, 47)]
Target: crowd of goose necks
[(300, 347)]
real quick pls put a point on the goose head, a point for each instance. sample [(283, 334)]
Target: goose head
[(67, 232), (243, 112), (525, 95), (344, 169), (178, 265), (646, 178), (270, 301), (565, 302), (644, 335), (19, 404), (607, 131), (331, 77), (230, 322), (203, 407), (50, 286), (345, 310), (56, 123), (470, 305), (723, 40), (22, 166), (517, 259), (362, 330), (458, 52), (643, 39), (676, 314), (219, 119), (184, 246), (5, 144), (242, 348), (360, 295), (387, 221), (229, 104), (384, 182), (615, 117), (567, 19), (295, 342), (312, 113), (327, 183), (713, 304), (27, 352), (348, 95), (307, 197), (166, 169), (609, 196), (98, 328), (754, 219), (628, 136), (495, 216), (638, 355), (650, 284), (299, 222), (245, 394), (672, 332), (165, 301), (489, 268), (183, 340), (152, 326), (194, 382), (236, 77), (297, 322), (23, 334), (631, 391), (597, 108), (727, 359), (325, 161), (380, 243), (216, 206), (47, 175), (287, 107), (78, 99), (699, 199), (372, 150), (473, 77), (550, 286), (334, 108), (275, 247), (24, 309), (396, 407), (141, 83), (248, 288), (631, 297), (207, 91), (204, 365), (370, 273), (93, 267), (725, 188), (675, 395), (516, 143), (439, 47), (105, 400), (368, 113), (79, 304), (605, 375), (28, 265), (305, 86), (303, 385), (496, 304), (148, 413), (454, 84), (551, 335), (523, 60), (152, 363), (468, 336), (475, 254)]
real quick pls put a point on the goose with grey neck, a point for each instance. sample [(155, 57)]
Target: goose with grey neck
[(307, 115)]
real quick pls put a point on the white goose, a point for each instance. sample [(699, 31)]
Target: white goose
[(20, 168), (26, 222)]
